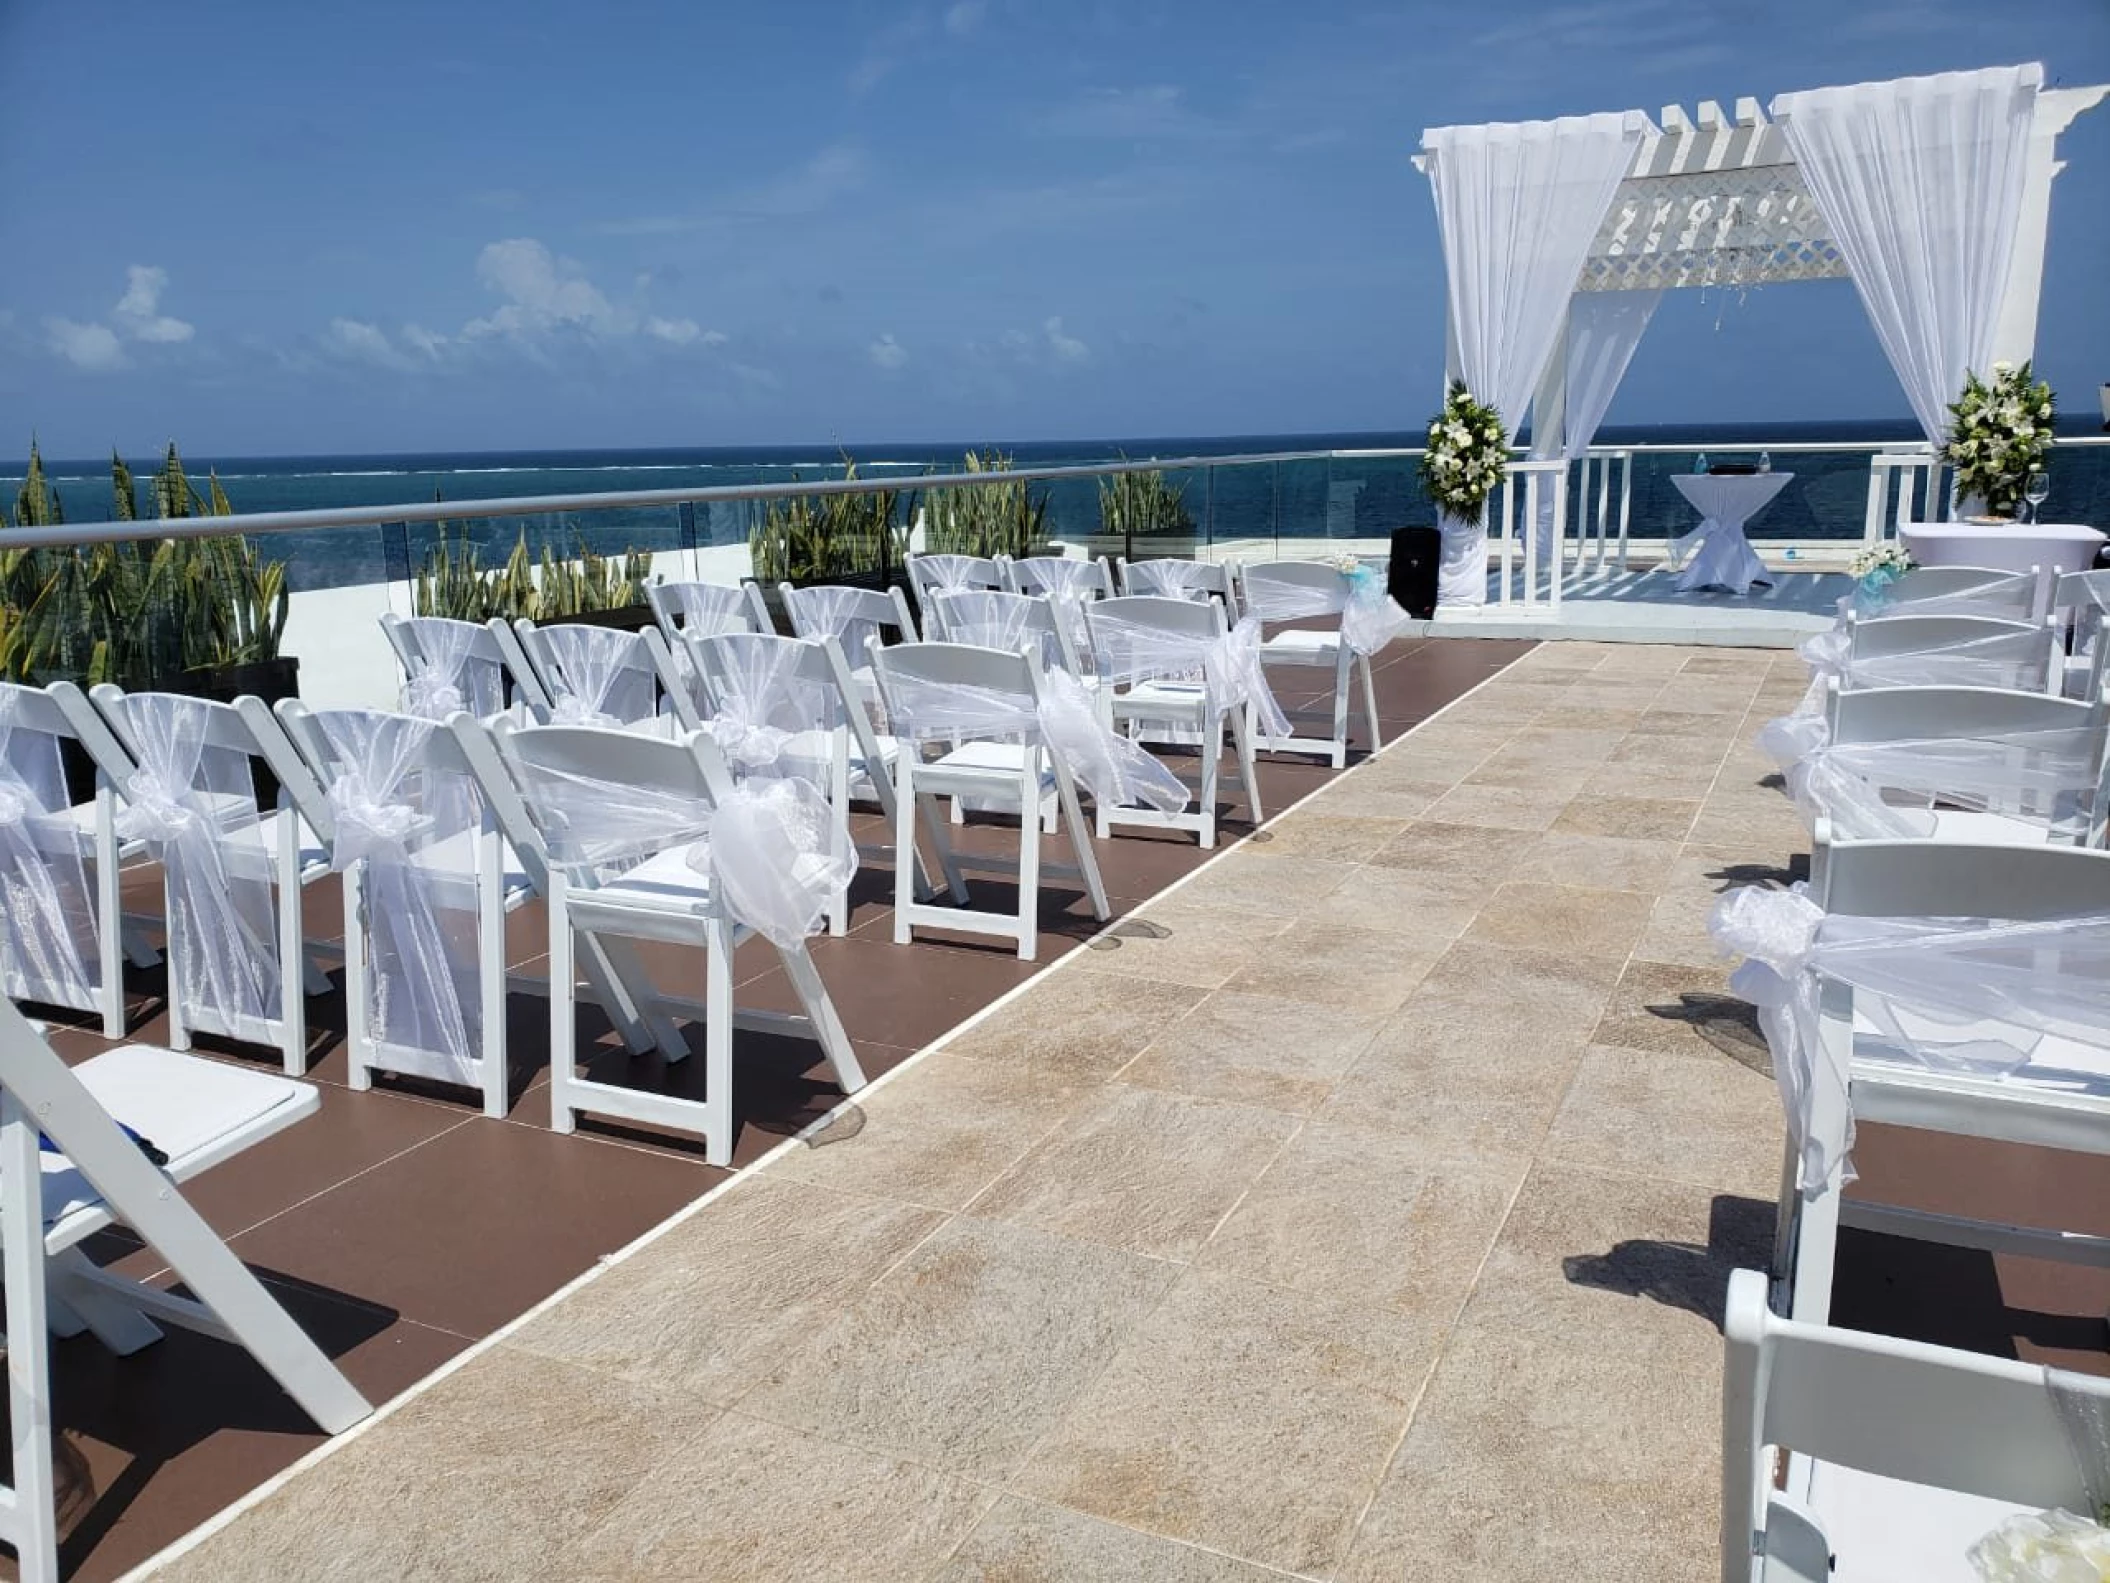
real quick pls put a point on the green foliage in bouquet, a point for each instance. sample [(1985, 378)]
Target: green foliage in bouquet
[(2000, 431), (1468, 446), (1003, 517), (811, 539), (1143, 505)]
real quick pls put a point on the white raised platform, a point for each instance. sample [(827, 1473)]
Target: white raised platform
[(1645, 606)]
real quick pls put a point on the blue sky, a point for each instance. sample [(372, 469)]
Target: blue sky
[(427, 226)]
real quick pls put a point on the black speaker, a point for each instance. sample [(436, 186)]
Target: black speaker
[(1417, 557)]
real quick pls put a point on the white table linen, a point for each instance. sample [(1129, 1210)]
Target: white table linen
[(1721, 556), (2058, 547)]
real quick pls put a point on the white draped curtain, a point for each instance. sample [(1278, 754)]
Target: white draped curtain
[(1518, 205), (1921, 183), (1604, 327)]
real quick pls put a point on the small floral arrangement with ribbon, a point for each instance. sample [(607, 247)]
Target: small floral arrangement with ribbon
[(1875, 569), (1468, 446), (2000, 432)]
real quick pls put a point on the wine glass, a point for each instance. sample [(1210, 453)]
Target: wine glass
[(2036, 491)]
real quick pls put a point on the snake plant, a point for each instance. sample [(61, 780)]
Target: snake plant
[(1143, 505), (810, 539), (453, 582), (1003, 517)]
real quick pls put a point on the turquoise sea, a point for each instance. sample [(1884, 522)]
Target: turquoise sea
[(1295, 502)]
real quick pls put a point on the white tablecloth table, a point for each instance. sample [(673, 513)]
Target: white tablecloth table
[(1721, 555), (2059, 547)]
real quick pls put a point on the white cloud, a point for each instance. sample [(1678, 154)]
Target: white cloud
[(542, 292), (91, 346), (887, 352), (420, 339), (965, 17), (366, 343), (682, 332), (1064, 348), (138, 311), (1156, 113)]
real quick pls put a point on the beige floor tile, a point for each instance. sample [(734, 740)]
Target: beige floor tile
[(1476, 856), (1251, 1420), (1315, 833), (1752, 824), (482, 1477), (1562, 918), (1140, 1170), (1457, 1086), (1534, 770), (1194, 943), (1669, 751), (1367, 1216), (1497, 807), (1377, 799), (1355, 970), (1246, 880), (1599, 862), (1682, 1010), (1425, 911), (1702, 1119), (1085, 1022), (1634, 818), (1598, 717), (1258, 1049), (939, 1133), (757, 1503), (1024, 1541), (1676, 783), (961, 1357), (1674, 720), (1510, 991), (720, 1297)]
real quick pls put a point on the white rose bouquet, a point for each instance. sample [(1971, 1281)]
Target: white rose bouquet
[(2000, 432), (1468, 446)]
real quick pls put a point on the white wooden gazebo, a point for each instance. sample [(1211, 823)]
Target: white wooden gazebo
[(1932, 194)]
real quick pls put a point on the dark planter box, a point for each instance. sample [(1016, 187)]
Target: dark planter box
[(624, 618), (269, 680)]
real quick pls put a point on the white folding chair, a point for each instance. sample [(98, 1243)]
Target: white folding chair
[(929, 574), (986, 704), (622, 815), (197, 1113), (1277, 591), (994, 619), (788, 706), (447, 665), (589, 675), (1901, 1455), (2052, 1090), (1924, 650), (239, 964), (706, 609), (1173, 578), (1965, 591), (63, 938), (2079, 601), (425, 897), (1087, 577), (1162, 665), (2014, 768), (853, 617)]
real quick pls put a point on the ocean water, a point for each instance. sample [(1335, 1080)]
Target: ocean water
[(1297, 504)]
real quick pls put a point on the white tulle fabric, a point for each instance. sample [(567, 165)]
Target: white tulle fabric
[(1370, 617), (601, 677), (706, 609), (1129, 652), (1877, 790), (1952, 994), (195, 806), (462, 669), (954, 573), (399, 814), (1015, 623), (771, 715), (1174, 579), (851, 616), (2006, 598), (772, 851), (47, 939), (1068, 585), (1116, 771)]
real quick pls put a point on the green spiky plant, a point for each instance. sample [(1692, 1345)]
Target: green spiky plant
[(1003, 517), (809, 539), (453, 582), (1143, 505)]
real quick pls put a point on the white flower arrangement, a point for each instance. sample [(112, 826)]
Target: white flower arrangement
[(2048, 1547), (1890, 558), (1346, 565), (1468, 446), (2000, 432)]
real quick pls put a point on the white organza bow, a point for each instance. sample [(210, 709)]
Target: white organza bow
[(1957, 994), (1877, 790), (1370, 618), (47, 946), (1130, 652)]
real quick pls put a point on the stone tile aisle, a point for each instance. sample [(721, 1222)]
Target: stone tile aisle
[(1359, 1211)]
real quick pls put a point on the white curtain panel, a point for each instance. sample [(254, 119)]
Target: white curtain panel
[(1604, 327), (1921, 182), (1518, 205)]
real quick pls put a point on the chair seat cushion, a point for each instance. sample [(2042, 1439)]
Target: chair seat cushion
[(992, 757), (667, 881), (1890, 1531), (1988, 829), (197, 1112), (1301, 646)]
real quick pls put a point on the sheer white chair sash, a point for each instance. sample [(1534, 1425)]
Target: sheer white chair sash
[(47, 940), (194, 804), (709, 608), (393, 810), (954, 574), (1370, 618), (1872, 790), (1128, 652), (461, 670), (2005, 597), (1116, 771), (834, 612), (772, 851), (763, 700), (1173, 579), (1011, 622), (1953, 994), (603, 677)]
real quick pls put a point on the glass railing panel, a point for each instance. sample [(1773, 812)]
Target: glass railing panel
[(1242, 518)]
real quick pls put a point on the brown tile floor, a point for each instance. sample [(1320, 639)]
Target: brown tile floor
[(401, 1226), (1191, 1263)]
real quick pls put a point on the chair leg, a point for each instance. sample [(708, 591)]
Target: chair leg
[(955, 879), (35, 1526), (179, 1025), (109, 936), (563, 1030), (1029, 826), (827, 1026), (292, 960), (1362, 663), (1080, 844), (839, 808), (491, 974), (1340, 709), (718, 1044), (905, 842), (1212, 755), (1248, 769), (358, 1046)]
